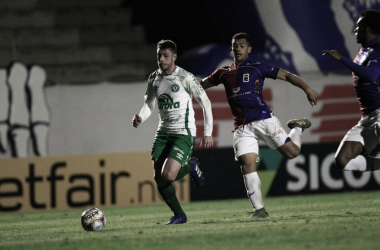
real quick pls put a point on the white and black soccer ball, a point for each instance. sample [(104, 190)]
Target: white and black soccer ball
[(93, 219)]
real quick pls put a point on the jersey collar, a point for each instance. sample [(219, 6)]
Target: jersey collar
[(371, 43), (160, 72)]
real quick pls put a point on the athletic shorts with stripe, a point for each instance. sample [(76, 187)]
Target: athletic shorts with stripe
[(178, 147)]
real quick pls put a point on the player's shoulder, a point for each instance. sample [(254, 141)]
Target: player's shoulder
[(182, 72), (373, 47), (153, 75), (223, 69), (254, 63), (376, 50), (259, 65)]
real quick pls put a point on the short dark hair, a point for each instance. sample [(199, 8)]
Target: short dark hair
[(242, 35), (167, 44), (371, 18)]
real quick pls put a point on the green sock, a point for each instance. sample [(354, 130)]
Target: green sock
[(183, 171), (168, 194)]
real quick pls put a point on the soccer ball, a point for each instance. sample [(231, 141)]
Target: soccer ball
[(93, 219)]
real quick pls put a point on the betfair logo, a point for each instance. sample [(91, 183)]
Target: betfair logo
[(166, 102)]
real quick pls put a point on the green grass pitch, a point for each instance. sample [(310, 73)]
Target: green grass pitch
[(344, 221)]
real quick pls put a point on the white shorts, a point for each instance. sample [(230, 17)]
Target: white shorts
[(364, 131), (246, 139)]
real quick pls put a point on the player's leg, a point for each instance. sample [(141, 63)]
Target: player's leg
[(274, 135), (165, 171), (289, 149), (175, 167), (292, 146), (352, 153), (246, 150), (252, 184), (195, 172), (182, 151), (170, 169), (349, 156)]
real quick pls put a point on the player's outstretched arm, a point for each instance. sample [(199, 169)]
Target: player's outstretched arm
[(205, 83), (311, 94), (333, 53), (371, 73)]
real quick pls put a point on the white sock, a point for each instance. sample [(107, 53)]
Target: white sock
[(253, 186), (296, 136), (363, 163)]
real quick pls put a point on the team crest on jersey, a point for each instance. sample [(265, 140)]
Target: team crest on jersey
[(175, 88), (246, 77), (155, 88)]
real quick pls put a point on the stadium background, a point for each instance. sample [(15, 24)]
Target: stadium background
[(97, 56)]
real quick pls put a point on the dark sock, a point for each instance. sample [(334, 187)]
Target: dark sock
[(168, 194), (185, 169)]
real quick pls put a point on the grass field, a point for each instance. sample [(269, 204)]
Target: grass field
[(334, 221)]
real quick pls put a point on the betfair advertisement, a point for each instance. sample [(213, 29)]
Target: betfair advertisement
[(80, 181)]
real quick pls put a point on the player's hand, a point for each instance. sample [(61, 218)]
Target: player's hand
[(334, 53), (312, 96), (207, 142), (136, 120)]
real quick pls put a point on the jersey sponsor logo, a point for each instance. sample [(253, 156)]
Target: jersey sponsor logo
[(246, 77), (260, 102), (175, 88), (179, 156), (235, 90), (165, 101), (171, 120), (178, 149), (241, 94), (275, 133), (197, 83)]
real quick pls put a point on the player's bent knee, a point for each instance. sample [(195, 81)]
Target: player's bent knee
[(169, 176), (289, 150), (291, 154), (340, 162)]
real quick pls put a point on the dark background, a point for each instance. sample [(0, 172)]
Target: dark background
[(193, 23), (223, 178)]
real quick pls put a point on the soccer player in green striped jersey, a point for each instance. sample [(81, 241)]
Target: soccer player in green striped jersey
[(174, 88)]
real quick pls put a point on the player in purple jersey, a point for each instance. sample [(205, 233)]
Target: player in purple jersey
[(243, 81), (352, 154)]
